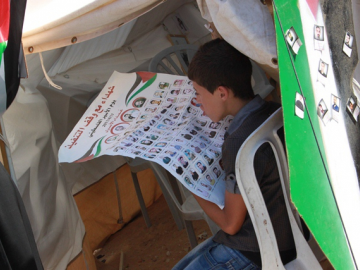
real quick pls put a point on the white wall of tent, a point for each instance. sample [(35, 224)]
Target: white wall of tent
[(82, 42)]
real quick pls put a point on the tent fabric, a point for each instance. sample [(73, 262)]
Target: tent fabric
[(98, 203), (57, 227), (87, 50), (17, 244), (18, 249), (245, 24), (89, 21)]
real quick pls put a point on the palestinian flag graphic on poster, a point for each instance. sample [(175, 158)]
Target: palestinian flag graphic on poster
[(4, 34), (324, 183)]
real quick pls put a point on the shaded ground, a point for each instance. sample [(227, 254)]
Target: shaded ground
[(157, 247)]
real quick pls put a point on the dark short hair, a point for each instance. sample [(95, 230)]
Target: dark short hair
[(217, 63)]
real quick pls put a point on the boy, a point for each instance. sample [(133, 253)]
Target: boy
[(221, 76)]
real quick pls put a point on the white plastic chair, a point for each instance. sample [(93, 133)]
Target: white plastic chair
[(187, 206), (173, 60), (137, 165), (255, 204)]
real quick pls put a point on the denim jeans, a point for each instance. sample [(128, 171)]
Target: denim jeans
[(210, 255)]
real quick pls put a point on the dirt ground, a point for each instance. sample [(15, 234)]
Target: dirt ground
[(159, 247)]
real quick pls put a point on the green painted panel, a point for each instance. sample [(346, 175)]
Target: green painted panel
[(309, 182)]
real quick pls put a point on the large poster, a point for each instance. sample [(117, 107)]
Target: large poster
[(154, 117)]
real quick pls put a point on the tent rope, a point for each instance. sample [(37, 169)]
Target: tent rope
[(46, 75)]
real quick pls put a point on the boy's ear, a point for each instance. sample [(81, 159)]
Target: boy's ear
[(223, 92)]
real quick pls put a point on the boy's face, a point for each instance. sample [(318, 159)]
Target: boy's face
[(211, 104)]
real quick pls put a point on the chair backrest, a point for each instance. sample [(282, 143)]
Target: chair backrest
[(254, 200), (173, 60)]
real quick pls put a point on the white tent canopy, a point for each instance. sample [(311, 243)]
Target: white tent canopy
[(82, 43)]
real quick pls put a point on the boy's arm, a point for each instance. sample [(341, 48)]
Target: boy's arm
[(229, 219)]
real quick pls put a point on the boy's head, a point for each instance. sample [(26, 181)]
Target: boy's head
[(217, 63)]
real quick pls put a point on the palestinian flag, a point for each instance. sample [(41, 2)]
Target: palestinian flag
[(4, 34), (321, 133), (12, 64)]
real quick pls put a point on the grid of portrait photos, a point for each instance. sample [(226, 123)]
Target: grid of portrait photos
[(332, 111), (170, 128), (155, 117)]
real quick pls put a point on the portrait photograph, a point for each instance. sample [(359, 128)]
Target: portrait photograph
[(159, 94), (146, 142), (319, 43), (335, 103), (322, 109), (175, 92), (188, 181), (215, 125), (166, 159), (164, 85), (351, 104), (291, 36), (139, 102), (155, 102), (183, 161), (353, 108), (178, 169), (155, 150), (130, 115), (161, 144), (293, 40), (335, 107), (348, 41), (136, 152), (299, 105), (319, 32), (118, 128), (217, 172), (323, 68)]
